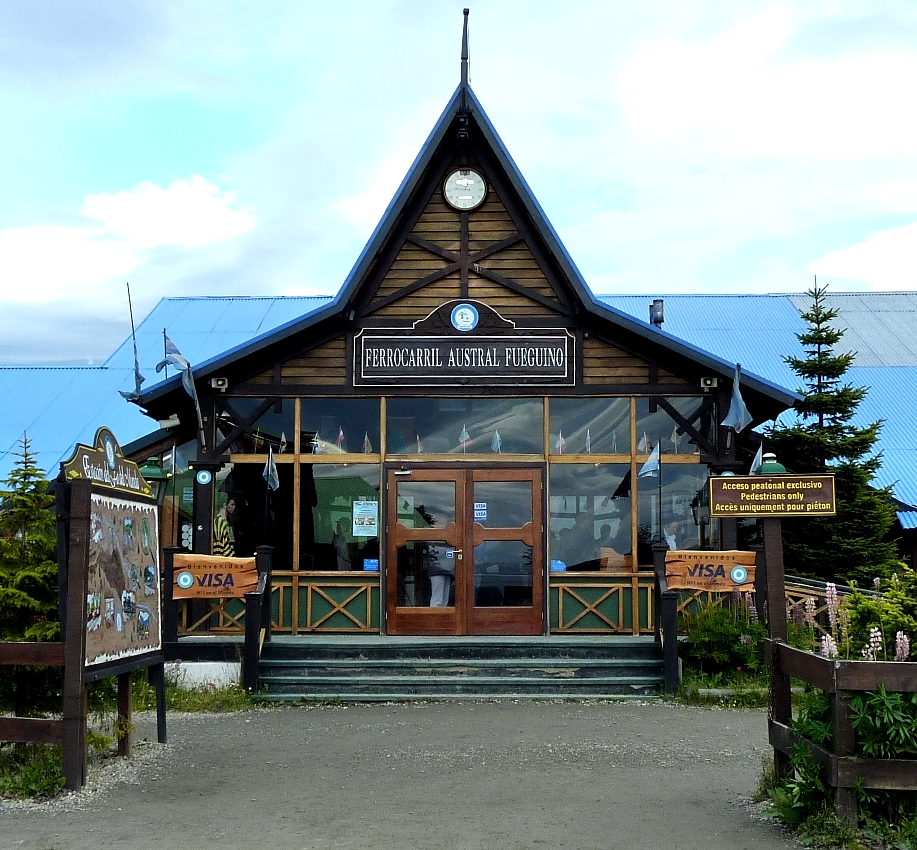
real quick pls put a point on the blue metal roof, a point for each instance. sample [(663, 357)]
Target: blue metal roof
[(757, 331), (908, 520), (61, 406)]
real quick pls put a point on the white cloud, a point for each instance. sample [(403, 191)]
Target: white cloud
[(42, 263), (887, 261), (739, 92)]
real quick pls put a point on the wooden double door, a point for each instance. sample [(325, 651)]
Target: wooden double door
[(464, 551)]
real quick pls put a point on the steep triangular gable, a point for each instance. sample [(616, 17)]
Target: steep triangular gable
[(435, 253)]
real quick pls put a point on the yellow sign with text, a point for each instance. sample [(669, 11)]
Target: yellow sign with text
[(213, 577), (716, 571)]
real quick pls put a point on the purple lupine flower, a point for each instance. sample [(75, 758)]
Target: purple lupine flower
[(752, 610), (831, 598), (843, 619), (828, 647), (902, 646), (797, 615), (872, 650), (809, 616)]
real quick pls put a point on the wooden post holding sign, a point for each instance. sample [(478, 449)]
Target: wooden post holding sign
[(770, 498), (112, 616)]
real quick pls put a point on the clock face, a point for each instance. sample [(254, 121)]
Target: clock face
[(464, 189)]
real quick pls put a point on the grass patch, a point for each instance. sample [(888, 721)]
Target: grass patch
[(30, 771), (733, 690)]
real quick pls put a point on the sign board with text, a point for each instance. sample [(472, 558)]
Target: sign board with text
[(213, 577), (714, 571), (758, 496)]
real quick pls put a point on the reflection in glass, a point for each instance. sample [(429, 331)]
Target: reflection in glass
[(260, 519), (339, 516), (677, 525), (503, 504), (273, 426), (589, 516), (502, 574), (656, 425), (590, 426), (464, 425), (426, 574), (425, 504), (338, 425)]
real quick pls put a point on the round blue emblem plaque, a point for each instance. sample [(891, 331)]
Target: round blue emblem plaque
[(464, 317), (738, 575)]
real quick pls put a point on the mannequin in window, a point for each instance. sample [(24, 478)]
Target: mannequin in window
[(339, 542)]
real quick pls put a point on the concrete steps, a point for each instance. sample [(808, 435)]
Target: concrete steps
[(381, 668)]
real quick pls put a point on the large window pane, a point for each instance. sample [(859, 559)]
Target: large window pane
[(261, 516), (666, 514), (264, 422), (589, 516), (465, 426), (339, 516), (336, 425), (655, 424), (590, 426)]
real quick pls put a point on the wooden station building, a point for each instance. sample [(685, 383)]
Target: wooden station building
[(459, 433)]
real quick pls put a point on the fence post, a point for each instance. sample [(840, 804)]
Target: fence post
[(73, 722), (781, 705), (845, 801)]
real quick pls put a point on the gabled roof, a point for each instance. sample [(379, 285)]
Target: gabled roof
[(464, 99)]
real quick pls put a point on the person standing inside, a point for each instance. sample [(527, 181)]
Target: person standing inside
[(223, 538)]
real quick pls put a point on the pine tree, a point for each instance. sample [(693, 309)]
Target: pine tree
[(28, 581), (853, 545)]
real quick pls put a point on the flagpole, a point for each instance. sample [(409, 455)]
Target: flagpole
[(661, 538)]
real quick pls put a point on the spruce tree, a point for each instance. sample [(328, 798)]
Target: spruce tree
[(28, 581), (853, 545)]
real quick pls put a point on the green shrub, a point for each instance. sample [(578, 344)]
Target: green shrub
[(30, 770), (722, 640)]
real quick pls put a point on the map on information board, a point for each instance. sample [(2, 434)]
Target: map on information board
[(123, 612)]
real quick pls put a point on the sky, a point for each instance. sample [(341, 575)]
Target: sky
[(213, 147)]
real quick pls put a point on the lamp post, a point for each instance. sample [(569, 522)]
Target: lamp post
[(156, 477)]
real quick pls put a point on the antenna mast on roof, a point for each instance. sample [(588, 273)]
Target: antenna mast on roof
[(463, 102)]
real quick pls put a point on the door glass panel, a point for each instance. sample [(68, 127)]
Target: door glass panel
[(426, 574), (503, 504), (502, 574), (426, 504)]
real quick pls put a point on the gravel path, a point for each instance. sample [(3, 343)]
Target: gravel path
[(422, 776)]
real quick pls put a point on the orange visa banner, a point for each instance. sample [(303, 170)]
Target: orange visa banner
[(212, 576), (716, 571)]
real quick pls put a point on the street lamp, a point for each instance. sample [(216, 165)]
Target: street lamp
[(155, 476)]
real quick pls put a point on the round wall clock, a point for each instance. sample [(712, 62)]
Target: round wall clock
[(464, 189)]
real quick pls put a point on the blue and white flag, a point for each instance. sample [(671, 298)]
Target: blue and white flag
[(738, 416), (759, 459), (650, 469), (270, 470), (496, 444), (588, 442), (174, 358)]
